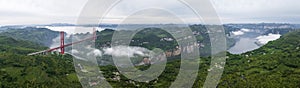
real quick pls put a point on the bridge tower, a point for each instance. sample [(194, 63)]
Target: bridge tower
[(94, 34), (62, 42)]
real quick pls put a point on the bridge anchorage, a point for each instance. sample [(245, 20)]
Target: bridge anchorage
[(63, 45)]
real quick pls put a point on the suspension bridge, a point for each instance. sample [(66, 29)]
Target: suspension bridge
[(63, 45)]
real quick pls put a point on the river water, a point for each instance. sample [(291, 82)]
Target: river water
[(243, 45), (247, 39)]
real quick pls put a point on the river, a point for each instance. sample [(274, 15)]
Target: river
[(247, 39)]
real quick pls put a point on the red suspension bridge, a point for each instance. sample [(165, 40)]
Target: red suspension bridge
[(63, 45)]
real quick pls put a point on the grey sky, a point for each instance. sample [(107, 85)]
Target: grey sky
[(67, 11)]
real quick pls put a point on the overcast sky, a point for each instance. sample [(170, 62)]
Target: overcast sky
[(229, 11)]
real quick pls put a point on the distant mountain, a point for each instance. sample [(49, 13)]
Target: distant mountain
[(60, 24), (281, 31), (42, 36), (262, 25)]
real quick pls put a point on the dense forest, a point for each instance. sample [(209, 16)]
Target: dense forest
[(19, 70), (154, 37), (276, 64)]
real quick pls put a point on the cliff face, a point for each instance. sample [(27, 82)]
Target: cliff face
[(177, 51), (173, 52)]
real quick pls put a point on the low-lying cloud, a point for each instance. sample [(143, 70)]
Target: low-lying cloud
[(240, 32), (264, 39), (118, 51), (129, 51)]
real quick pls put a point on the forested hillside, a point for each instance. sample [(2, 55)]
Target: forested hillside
[(19, 70), (273, 65), (41, 36)]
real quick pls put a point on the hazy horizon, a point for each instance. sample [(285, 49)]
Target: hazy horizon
[(140, 24), (25, 12)]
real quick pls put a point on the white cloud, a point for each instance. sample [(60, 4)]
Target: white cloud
[(264, 39), (240, 32), (95, 52), (236, 33), (74, 51), (129, 51), (245, 30)]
